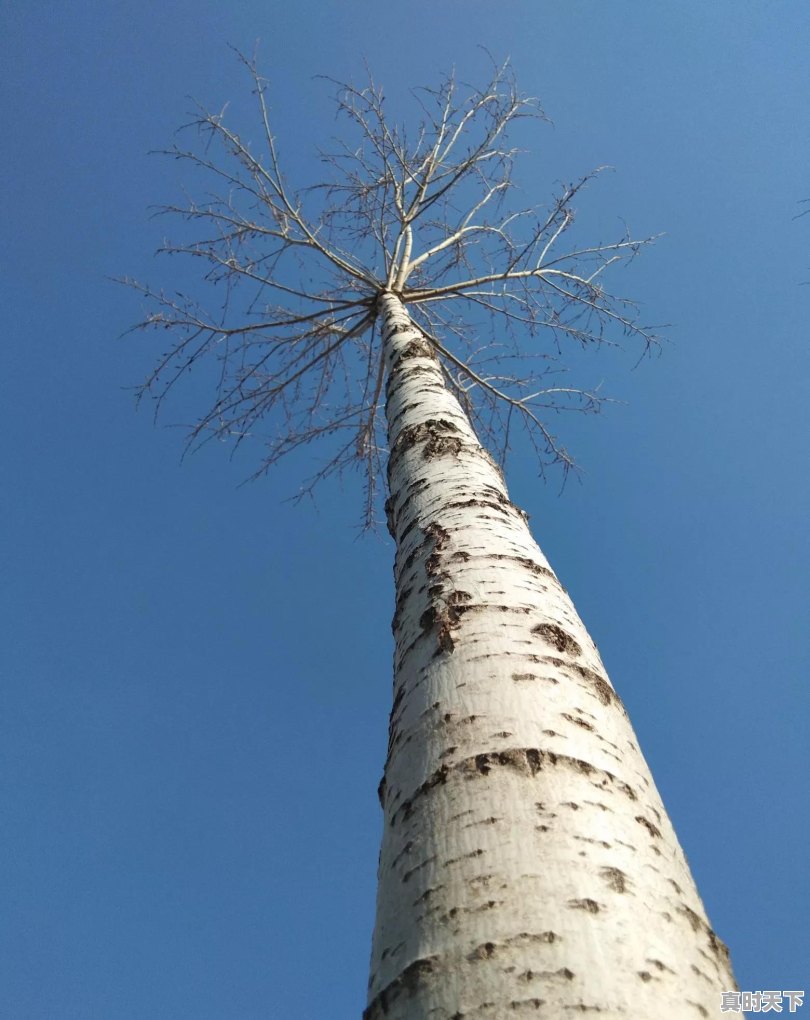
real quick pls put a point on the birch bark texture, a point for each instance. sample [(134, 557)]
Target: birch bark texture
[(528, 867)]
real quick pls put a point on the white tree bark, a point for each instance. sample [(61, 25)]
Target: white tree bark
[(528, 867)]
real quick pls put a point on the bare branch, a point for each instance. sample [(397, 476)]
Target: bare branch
[(291, 347)]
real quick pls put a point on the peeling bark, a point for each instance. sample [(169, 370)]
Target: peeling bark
[(528, 867)]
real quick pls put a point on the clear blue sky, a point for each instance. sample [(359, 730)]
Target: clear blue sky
[(196, 676)]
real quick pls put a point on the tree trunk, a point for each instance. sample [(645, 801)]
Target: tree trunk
[(528, 868)]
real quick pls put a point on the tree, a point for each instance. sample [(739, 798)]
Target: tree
[(528, 867)]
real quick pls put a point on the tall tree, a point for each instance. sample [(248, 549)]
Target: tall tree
[(528, 867)]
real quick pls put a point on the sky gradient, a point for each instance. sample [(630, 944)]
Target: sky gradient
[(195, 675)]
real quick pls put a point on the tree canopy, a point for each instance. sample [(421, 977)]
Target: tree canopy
[(431, 212)]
